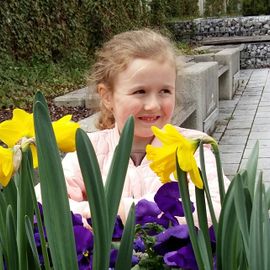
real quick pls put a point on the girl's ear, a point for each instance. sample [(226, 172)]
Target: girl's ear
[(106, 95)]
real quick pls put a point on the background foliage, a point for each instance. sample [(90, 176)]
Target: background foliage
[(214, 7), (255, 7), (48, 45), (182, 8)]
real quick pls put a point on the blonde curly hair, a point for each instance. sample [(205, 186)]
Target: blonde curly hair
[(117, 53)]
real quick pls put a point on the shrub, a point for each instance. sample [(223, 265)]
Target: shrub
[(182, 8), (255, 7), (214, 7)]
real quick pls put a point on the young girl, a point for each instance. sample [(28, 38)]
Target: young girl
[(135, 74)]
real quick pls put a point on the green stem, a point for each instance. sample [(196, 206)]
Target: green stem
[(183, 188), (206, 188), (219, 172)]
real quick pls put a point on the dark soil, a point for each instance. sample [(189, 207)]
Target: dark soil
[(56, 112)]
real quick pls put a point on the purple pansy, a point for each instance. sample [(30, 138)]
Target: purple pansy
[(172, 239), (168, 201), (148, 212), (84, 241), (183, 257), (118, 228), (138, 245)]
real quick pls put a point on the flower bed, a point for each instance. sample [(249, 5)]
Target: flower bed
[(51, 237)]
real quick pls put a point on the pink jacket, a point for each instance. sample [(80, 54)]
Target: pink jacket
[(141, 181)]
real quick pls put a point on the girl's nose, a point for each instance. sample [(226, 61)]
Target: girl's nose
[(152, 103)]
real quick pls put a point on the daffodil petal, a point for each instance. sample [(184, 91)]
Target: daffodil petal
[(21, 125), (34, 155), (196, 177), (65, 131), (6, 165)]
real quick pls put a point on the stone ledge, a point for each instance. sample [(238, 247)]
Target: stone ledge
[(235, 40)]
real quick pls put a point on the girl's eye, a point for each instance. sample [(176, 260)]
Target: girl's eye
[(141, 91), (165, 91)]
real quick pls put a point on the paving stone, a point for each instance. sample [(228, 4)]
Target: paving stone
[(257, 127), (262, 121), (237, 132), (233, 140), (245, 111), (244, 107), (231, 158), (248, 117), (230, 169), (229, 148), (258, 135), (264, 103), (233, 124), (263, 109)]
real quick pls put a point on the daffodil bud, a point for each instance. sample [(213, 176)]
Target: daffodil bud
[(17, 158)]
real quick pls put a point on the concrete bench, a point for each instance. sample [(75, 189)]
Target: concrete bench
[(199, 84), (228, 59)]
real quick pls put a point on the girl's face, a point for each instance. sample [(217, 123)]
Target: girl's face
[(146, 90)]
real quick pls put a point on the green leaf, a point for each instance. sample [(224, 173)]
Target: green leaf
[(31, 239), (96, 196), (228, 230), (183, 188), (10, 192), (266, 230), (203, 223), (24, 207), (37, 213), (2, 267), (3, 210), (39, 97), (117, 173), (251, 168), (57, 215), (124, 257), (241, 211), (206, 189), (256, 229), (208, 264), (12, 251), (219, 172)]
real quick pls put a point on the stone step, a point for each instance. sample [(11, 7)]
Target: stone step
[(84, 97)]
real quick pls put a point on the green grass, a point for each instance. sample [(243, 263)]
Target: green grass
[(185, 48), (20, 80)]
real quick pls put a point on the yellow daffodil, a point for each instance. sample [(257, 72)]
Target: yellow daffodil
[(6, 165), (19, 131), (163, 158)]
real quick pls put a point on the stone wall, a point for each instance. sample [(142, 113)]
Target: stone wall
[(254, 55)]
